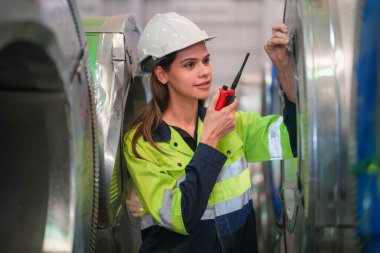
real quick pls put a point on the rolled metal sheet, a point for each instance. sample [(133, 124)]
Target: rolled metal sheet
[(323, 199), (47, 132), (114, 67), (337, 181), (120, 92), (60, 17)]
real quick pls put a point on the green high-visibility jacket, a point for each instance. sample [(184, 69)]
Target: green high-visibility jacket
[(185, 189)]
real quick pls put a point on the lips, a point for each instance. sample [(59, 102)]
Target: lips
[(203, 84)]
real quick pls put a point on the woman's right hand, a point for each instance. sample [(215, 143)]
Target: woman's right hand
[(218, 123)]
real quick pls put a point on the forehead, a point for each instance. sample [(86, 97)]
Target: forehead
[(198, 50)]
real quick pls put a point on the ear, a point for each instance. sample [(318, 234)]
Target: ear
[(161, 74)]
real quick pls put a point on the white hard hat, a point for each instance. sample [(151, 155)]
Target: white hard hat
[(167, 33)]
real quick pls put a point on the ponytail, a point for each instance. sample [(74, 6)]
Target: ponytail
[(151, 116)]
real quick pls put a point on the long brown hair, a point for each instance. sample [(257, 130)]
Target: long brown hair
[(151, 116)]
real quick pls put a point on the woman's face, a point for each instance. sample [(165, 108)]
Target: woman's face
[(190, 74)]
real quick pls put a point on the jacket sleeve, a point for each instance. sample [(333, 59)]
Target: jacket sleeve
[(176, 207), (266, 138), (290, 120)]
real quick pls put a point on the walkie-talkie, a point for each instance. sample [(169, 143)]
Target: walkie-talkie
[(227, 96)]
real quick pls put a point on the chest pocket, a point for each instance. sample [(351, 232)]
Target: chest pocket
[(174, 163)]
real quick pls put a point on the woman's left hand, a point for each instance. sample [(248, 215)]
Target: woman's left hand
[(277, 50), (133, 204), (277, 47)]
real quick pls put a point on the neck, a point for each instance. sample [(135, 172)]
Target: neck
[(182, 114)]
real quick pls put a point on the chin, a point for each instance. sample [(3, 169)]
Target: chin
[(204, 97)]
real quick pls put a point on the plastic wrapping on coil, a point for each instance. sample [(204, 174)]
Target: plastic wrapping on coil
[(367, 166)]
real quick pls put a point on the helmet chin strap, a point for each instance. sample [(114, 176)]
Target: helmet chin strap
[(149, 63)]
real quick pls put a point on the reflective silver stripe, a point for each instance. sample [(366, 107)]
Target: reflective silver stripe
[(147, 221), (274, 140), (227, 206), (180, 180), (232, 170), (166, 209), (165, 213), (211, 212)]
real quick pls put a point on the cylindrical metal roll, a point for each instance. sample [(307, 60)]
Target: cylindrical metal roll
[(47, 134), (322, 34), (120, 94)]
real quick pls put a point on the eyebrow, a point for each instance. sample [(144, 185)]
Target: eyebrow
[(192, 59)]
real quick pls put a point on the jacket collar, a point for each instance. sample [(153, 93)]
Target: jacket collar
[(162, 131)]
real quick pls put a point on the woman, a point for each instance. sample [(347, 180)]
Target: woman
[(189, 165)]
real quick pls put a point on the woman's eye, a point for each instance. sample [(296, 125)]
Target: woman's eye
[(206, 61), (189, 65)]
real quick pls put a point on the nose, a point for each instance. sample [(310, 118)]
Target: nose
[(205, 70)]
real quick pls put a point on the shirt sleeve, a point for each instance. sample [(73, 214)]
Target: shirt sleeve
[(178, 207)]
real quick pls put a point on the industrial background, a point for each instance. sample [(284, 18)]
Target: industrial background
[(70, 86), (241, 26)]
